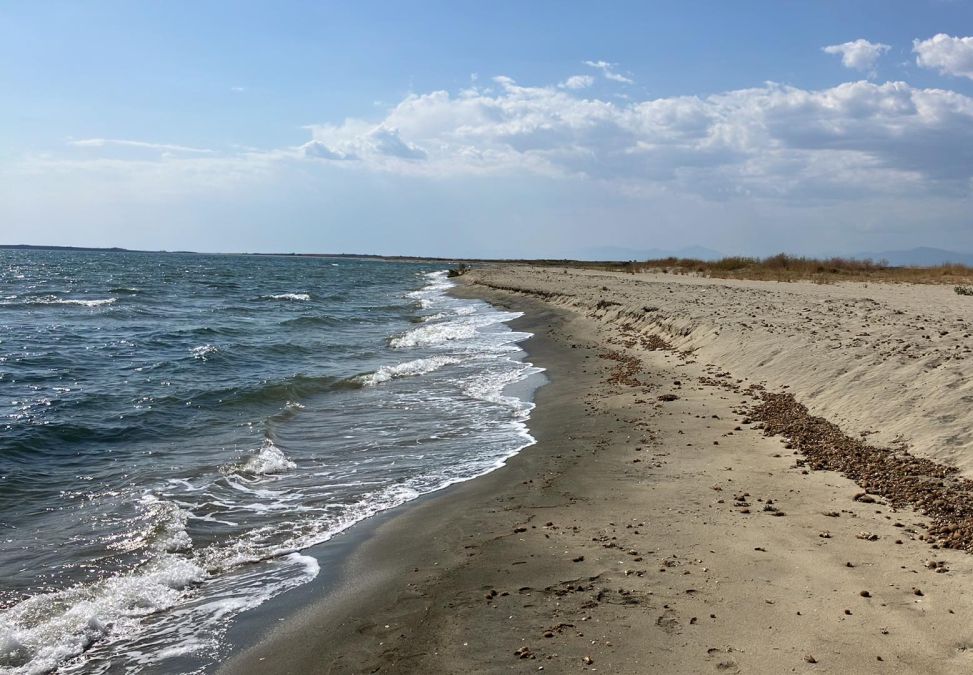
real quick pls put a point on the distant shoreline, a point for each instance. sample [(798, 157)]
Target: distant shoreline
[(783, 267)]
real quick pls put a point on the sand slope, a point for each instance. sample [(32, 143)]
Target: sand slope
[(894, 362)]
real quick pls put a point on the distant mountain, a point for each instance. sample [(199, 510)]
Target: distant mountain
[(621, 253), (922, 256)]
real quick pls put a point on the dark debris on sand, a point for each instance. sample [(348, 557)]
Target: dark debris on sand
[(933, 489)]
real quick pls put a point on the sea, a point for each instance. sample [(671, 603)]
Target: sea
[(179, 431)]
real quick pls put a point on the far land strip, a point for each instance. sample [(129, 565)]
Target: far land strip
[(730, 476)]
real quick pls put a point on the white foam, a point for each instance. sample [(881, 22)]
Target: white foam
[(43, 631), (434, 334), (54, 300), (268, 460), (490, 386), (407, 369), (459, 328), (203, 351), (167, 525), (310, 564), (300, 297), (88, 303)]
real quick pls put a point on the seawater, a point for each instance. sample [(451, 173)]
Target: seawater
[(176, 430)]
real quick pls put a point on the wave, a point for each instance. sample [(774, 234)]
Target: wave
[(54, 300), (203, 351), (174, 575), (312, 321), (433, 334), (298, 297), (407, 369), (292, 388), (38, 634), (267, 461)]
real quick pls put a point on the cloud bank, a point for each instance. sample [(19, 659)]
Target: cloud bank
[(772, 141)]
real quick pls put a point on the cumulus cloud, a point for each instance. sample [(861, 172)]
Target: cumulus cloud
[(607, 70), (319, 150), (380, 145), (949, 55), (858, 54), (386, 141), (773, 140), (578, 82), (853, 141)]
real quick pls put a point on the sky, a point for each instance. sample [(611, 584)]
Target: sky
[(488, 129)]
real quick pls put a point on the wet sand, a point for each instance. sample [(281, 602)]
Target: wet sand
[(654, 527)]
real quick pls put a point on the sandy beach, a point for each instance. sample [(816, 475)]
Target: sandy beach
[(729, 476)]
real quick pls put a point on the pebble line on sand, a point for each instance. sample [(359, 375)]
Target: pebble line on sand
[(904, 480)]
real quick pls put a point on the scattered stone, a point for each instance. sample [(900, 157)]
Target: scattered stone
[(524, 653)]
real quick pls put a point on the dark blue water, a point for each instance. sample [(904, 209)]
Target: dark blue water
[(176, 429)]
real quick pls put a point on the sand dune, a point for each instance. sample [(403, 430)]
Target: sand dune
[(892, 362)]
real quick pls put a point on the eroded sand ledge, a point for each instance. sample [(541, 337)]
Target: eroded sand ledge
[(651, 529), (892, 361)]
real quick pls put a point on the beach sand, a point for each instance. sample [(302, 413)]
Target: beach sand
[(658, 525)]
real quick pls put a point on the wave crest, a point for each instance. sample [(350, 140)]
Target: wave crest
[(407, 369), (297, 297), (267, 461)]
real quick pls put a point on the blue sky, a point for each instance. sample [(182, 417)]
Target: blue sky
[(495, 129)]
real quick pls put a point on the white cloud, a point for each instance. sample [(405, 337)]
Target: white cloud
[(142, 145), (379, 145), (578, 82), (386, 141), (607, 70), (848, 142), (319, 150), (772, 140), (949, 55), (858, 54)]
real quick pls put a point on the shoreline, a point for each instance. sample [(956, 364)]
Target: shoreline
[(649, 528), (373, 554)]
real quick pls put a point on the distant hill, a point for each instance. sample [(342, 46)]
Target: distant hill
[(620, 253), (922, 256)]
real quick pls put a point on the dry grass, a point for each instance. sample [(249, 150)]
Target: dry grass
[(783, 267)]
